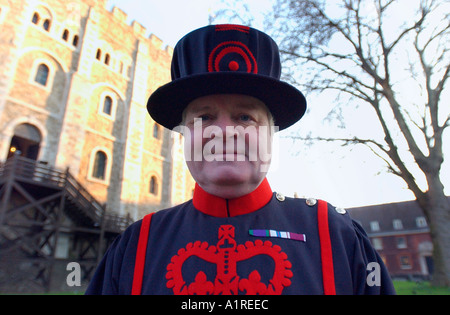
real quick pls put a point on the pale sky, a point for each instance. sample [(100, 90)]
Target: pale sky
[(345, 177)]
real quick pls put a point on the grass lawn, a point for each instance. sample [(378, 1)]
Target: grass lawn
[(418, 288)]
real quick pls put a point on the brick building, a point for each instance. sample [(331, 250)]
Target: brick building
[(73, 90), (400, 234)]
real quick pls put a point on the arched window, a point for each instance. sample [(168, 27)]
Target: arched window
[(65, 36), (99, 54), (107, 59), (154, 185), (42, 74), (75, 40), (46, 25), (36, 18), (99, 170), (107, 106), (42, 17)]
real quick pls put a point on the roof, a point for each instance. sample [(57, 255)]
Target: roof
[(392, 218)]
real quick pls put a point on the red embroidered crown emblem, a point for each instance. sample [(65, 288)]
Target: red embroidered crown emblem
[(225, 255)]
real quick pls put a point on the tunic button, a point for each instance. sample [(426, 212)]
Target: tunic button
[(341, 210), (311, 202), (280, 197)]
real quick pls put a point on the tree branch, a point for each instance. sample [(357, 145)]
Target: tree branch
[(362, 67), (434, 143), (393, 152), (399, 169)]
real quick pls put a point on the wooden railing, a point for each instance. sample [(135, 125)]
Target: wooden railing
[(27, 170), (91, 207), (30, 170)]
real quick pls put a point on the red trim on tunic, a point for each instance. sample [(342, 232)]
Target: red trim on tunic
[(222, 208), (325, 249), (140, 255)]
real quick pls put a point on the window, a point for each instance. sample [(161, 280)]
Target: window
[(42, 74), (99, 54), (398, 225), (154, 186), (107, 59), (107, 106), (42, 17), (75, 40), (374, 226), (405, 262), (421, 222), (401, 242), (377, 243), (36, 18), (65, 36), (99, 170), (46, 25)]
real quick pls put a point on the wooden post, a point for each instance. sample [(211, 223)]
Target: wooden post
[(101, 244), (7, 189)]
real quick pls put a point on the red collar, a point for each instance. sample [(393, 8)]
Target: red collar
[(222, 208)]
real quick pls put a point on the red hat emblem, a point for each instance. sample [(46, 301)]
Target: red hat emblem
[(232, 56)]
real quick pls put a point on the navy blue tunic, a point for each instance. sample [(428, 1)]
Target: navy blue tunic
[(193, 252)]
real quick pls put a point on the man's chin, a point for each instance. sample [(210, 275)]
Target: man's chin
[(230, 183), (228, 177), (229, 191)]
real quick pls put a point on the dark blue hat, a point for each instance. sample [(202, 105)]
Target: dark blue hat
[(226, 59)]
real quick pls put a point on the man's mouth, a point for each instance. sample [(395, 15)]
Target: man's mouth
[(226, 156)]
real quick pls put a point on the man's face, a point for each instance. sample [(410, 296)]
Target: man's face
[(228, 143)]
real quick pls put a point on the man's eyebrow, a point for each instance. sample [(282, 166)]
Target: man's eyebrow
[(197, 109)]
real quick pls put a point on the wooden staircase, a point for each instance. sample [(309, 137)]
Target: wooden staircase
[(38, 203)]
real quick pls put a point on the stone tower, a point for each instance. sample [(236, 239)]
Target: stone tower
[(74, 85)]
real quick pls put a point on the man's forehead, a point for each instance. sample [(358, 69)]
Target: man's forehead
[(230, 102)]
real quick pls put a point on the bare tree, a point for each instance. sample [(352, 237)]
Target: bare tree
[(356, 47)]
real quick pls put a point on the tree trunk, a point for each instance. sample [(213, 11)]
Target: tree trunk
[(436, 207)]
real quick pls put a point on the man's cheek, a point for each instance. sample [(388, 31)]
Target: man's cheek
[(193, 145)]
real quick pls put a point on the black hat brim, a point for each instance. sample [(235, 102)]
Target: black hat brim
[(286, 103)]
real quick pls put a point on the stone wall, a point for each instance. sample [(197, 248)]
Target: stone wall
[(92, 54)]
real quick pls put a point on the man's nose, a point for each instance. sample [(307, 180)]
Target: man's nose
[(227, 126)]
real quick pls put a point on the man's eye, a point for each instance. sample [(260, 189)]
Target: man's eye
[(245, 117), (204, 117)]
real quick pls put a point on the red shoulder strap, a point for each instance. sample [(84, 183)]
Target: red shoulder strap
[(140, 255), (325, 249)]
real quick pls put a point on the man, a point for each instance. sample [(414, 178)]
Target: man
[(236, 236)]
